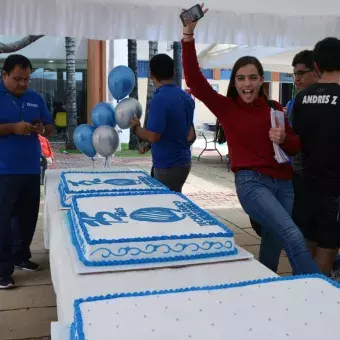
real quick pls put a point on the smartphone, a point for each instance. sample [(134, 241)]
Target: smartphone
[(193, 14), (36, 121)]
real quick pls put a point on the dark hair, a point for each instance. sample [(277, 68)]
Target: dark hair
[(162, 67), (16, 60), (305, 57), (244, 61), (327, 55)]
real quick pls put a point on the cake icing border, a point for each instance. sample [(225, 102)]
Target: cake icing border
[(227, 232), (62, 196), (78, 318), (151, 260), (160, 186)]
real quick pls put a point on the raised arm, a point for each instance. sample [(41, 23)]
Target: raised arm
[(194, 78)]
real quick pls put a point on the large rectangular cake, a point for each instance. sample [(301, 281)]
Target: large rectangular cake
[(90, 182), (149, 227), (290, 308)]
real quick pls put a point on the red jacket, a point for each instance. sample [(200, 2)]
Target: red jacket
[(246, 126), (46, 149)]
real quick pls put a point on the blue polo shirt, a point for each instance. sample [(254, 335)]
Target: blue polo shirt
[(289, 108), (20, 155), (171, 115)]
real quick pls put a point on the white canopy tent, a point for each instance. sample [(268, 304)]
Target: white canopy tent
[(276, 23), (274, 59)]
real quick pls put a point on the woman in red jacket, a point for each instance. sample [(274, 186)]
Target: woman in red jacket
[(264, 186)]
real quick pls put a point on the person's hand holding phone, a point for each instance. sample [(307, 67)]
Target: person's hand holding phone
[(190, 25), (23, 128), (38, 127)]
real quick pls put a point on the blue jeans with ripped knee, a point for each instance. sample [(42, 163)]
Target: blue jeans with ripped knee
[(269, 201)]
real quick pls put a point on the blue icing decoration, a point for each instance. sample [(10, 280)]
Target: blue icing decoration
[(121, 181), (195, 210), (62, 196), (152, 214), (85, 182), (111, 181), (166, 249), (78, 323), (80, 245), (101, 218), (157, 214), (143, 177)]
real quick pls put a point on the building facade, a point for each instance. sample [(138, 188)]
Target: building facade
[(94, 61)]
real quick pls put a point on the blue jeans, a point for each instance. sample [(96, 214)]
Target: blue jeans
[(269, 202)]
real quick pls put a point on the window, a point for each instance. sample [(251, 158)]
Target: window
[(208, 73), (225, 74), (49, 80), (143, 68)]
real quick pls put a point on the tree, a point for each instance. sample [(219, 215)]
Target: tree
[(133, 64), (153, 50), (19, 44), (178, 63), (71, 91)]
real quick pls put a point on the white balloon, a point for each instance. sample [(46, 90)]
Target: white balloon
[(105, 140), (125, 110)]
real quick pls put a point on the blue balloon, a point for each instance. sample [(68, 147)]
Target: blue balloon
[(121, 82), (103, 114), (82, 138)]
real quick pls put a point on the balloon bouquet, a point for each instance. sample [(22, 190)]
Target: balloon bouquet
[(102, 138)]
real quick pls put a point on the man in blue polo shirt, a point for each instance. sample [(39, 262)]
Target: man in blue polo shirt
[(23, 115), (169, 125)]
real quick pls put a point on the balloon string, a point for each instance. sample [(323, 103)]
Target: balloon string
[(105, 163), (92, 162)]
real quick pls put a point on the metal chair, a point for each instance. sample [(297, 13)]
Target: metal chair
[(43, 167)]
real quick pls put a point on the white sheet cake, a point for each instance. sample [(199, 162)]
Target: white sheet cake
[(294, 308), (149, 227), (90, 182)]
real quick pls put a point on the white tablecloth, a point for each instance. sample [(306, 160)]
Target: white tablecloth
[(69, 286)]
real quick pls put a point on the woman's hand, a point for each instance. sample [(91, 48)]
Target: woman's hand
[(277, 135), (188, 30)]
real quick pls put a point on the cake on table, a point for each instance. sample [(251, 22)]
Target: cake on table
[(294, 308), (145, 227), (89, 182)]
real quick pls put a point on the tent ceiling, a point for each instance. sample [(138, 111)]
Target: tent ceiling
[(262, 22), (287, 7), (272, 58)]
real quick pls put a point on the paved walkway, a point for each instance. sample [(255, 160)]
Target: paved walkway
[(27, 311)]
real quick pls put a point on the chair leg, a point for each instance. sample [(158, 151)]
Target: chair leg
[(228, 162)]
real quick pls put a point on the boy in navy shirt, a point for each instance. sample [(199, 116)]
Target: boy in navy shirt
[(169, 125), (316, 119), (23, 115)]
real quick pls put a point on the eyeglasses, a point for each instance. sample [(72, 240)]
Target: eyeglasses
[(301, 73), (21, 80)]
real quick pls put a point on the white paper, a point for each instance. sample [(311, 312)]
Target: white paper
[(280, 155)]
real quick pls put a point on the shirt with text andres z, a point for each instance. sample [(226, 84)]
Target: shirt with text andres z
[(316, 119)]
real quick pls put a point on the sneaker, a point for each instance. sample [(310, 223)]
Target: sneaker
[(6, 282), (29, 266)]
